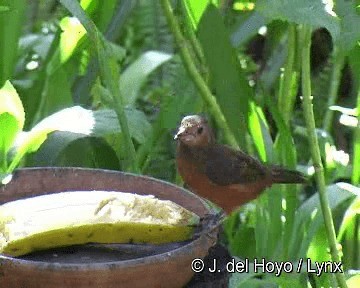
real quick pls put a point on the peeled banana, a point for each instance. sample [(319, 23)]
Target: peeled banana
[(80, 217)]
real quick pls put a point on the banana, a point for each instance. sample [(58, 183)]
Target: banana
[(80, 217)]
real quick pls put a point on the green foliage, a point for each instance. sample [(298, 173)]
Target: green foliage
[(105, 83), (11, 21), (226, 76), (309, 12)]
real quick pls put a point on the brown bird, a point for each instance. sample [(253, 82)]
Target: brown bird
[(226, 176)]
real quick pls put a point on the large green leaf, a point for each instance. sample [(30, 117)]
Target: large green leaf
[(88, 152), (88, 123), (228, 82), (11, 19), (308, 218), (75, 119), (106, 123), (136, 74), (350, 23), (316, 13), (57, 92)]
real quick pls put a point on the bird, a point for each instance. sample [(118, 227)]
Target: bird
[(226, 176)]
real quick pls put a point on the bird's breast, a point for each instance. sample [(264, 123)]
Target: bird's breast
[(227, 197)]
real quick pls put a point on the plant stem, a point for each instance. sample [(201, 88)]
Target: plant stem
[(288, 93), (110, 79), (191, 34), (204, 90), (315, 152), (356, 160), (339, 59), (109, 75)]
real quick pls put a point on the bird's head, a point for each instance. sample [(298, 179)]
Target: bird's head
[(194, 131)]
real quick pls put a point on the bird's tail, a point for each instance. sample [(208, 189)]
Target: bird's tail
[(283, 175)]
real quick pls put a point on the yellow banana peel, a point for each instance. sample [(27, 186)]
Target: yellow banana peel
[(80, 217)]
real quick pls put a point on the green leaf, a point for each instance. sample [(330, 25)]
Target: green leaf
[(56, 142), (195, 10), (106, 123), (80, 14), (239, 280), (4, 8), (75, 119), (247, 29), (308, 217), (350, 23), (228, 82), (9, 128), (350, 216), (57, 92), (71, 38), (136, 74), (260, 133), (11, 103), (102, 13), (88, 152), (353, 281), (348, 235), (12, 117), (11, 23), (88, 123), (315, 13), (109, 72)]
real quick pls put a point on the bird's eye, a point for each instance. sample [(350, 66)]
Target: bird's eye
[(200, 130)]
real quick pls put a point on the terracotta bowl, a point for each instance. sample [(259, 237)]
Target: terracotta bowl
[(167, 265)]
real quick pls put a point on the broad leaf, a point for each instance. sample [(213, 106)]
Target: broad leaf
[(315, 13), (75, 119), (88, 123), (309, 218), (136, 74), (230, 86), (11, 23), (350, 23)]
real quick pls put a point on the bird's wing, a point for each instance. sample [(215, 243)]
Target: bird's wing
[(226, 166)]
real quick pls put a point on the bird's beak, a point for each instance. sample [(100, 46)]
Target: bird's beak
[(179, 133)]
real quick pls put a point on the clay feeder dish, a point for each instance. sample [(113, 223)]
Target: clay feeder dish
[(98, 265)]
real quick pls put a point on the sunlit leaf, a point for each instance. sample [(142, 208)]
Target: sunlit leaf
[(75, 119), (136, 74), (353, 281), (195, 10), (350, 215), (88, 123), (309, 218), (12, 117), (259, 132), (70, 39)]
